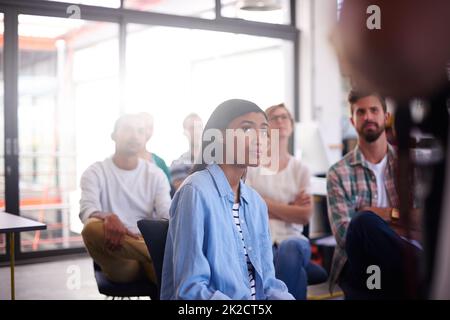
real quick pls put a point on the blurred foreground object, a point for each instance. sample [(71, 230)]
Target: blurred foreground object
[(401, 49), (407, 56)]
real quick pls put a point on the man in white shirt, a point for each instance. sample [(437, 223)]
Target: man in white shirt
[(115, 194)]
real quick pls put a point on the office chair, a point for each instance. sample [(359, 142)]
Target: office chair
[(155, 233), (139, 288)]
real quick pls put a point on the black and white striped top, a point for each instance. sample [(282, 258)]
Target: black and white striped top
[(250, 268)]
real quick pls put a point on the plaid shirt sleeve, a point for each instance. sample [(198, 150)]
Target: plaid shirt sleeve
[(340, 204)]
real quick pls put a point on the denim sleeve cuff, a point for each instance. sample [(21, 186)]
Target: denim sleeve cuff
[(217, 295)]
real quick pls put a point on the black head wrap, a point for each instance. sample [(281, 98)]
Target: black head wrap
[(221, 117)]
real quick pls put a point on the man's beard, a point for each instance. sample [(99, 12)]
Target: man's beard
[(372, 136)]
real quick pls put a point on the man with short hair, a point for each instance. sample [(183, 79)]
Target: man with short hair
[(363, 208), (115, 194)]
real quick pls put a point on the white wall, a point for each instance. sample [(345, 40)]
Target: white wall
[(320, 80)]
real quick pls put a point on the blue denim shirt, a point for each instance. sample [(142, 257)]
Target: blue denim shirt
[(204, 257)]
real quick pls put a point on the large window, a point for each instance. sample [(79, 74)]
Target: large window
[(68, 100), (198, 8), (102, 3), (172, 72), (76, 76)]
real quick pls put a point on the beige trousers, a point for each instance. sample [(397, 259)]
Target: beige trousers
[(125, 264)]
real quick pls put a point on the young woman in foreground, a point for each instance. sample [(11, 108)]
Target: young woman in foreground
[(218, 244)]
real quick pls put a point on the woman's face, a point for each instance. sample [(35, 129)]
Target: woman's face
[(280, 119), (246, 139)]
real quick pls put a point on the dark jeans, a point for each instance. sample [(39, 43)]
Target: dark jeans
[(370, 241), (292, 260), (291, 257)]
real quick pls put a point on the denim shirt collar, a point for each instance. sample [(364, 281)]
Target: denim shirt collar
[(223, 186)]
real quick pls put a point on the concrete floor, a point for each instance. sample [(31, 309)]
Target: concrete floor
[(69, 279)]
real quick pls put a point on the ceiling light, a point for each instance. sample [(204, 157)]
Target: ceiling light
[(259, 5)]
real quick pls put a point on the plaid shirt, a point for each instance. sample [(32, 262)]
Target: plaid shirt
[(351, 185)]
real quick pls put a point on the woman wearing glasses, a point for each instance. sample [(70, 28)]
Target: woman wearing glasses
[(284, 185)]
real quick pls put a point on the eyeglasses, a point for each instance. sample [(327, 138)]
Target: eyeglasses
[(283, 117)]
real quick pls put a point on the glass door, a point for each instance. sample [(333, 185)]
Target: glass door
[(68, 79), (68, 100)]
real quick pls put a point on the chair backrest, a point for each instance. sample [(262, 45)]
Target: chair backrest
[(155, 234)]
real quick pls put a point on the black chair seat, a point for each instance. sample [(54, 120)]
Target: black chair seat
[(154, 233), (138, 288)]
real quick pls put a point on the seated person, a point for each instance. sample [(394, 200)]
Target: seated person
[(218, 243), (286, 192), (363, 209), (182, 167), (115, 194), (151, 156)]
